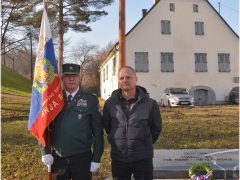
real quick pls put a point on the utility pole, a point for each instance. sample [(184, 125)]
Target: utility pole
[(219, 7), (4, 54), (31, 63), (122, 38), (13, 63), (31, 56)]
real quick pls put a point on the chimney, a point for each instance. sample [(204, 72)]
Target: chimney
[(144, 12), (154, 1)]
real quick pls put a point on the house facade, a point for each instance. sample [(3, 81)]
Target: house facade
[(179, 43)]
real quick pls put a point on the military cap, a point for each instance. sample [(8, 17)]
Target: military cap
[(70, 68)]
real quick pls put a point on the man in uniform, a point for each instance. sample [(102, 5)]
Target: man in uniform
[(77, 126)]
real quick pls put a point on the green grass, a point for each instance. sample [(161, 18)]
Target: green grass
[(183, 128), (202, 127), (21, 157), (14, 83), (14, 107)]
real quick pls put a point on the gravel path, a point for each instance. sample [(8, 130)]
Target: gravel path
[(10, 95)]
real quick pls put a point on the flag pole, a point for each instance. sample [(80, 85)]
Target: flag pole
[(48, 128), (50, 149), (46, 89)]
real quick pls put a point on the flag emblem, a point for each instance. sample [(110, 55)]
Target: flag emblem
[(47, 98)]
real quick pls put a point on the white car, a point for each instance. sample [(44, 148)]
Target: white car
[(174, 96)]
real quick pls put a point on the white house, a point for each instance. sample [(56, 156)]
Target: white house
[(179, 43)]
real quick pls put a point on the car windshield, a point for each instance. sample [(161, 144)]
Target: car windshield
[(179, 91)]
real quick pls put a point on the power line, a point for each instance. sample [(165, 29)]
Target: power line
[(226, 7)]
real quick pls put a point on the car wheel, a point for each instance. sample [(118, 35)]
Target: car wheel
[(169, 104), (231, 100), (162, 103)]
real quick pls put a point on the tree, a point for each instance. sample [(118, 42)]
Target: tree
[(81, 54), (14, 27), (100, 56), (18, 15), (16, 33), (75, 15), (89, 56), (90, 79)]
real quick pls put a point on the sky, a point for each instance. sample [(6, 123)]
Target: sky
[(106, 29)]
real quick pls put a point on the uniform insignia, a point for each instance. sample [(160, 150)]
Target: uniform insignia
[(82, 103), (80, 116), (90, 93)]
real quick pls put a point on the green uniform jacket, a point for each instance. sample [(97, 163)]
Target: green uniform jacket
[(76, 127)]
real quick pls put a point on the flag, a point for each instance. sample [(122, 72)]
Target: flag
[(47, 98)]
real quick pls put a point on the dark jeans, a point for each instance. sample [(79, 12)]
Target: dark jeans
[(75, 167), (141, 170)]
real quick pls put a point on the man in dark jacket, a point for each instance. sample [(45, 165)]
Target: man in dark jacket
[(74, 130), (133, 123)]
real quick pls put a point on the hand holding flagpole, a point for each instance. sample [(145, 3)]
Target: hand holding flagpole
[(49, 168), (47, 98)]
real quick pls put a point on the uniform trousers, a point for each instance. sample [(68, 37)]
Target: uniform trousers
[(141, 170), (75, 167)]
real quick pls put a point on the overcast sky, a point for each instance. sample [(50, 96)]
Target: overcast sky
[(106, 29)]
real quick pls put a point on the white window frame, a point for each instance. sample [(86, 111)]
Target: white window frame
[(195, 8), (141, 62), (200, 62), (172, 7), (114, 66), (199, 28), (166, 27), (167, 56), (106, 71), (103, 75), (224, 62)]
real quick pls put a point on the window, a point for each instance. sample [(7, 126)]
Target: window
[(141, 62), (106, 72), (224, 62), (103, 75), (199, 28), (114, 66), (195, 8), (167, 62), (236, 79), (200, 62), (172, 7), (165, 27)]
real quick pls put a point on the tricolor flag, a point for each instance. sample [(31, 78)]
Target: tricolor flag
[(47, 99)]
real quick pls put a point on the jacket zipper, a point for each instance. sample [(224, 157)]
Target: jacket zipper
[(127, 124), (127, 155)]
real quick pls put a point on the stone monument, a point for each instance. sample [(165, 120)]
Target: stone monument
[(173, 164)]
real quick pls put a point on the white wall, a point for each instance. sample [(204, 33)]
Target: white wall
[(109, 85), (183, 42), (147, 37)]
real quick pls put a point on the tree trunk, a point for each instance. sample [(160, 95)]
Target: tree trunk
[(60, 38)]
